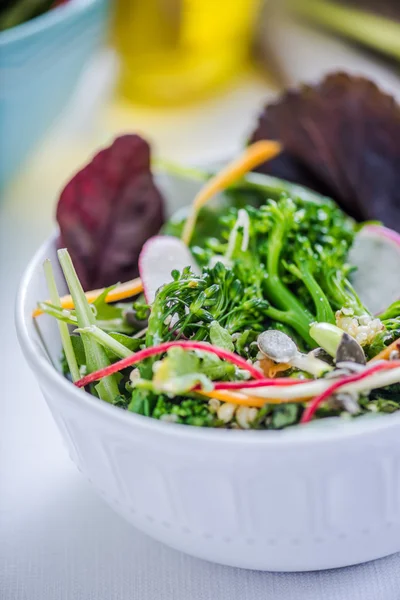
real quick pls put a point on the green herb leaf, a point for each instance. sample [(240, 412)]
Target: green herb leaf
[(285, 415), (216, 369), (61, 314), (221, 337), (79, 349), (112, 317)]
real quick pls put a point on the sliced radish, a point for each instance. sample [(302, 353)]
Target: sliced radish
[(376, 254), (159, 257), (136, 357)]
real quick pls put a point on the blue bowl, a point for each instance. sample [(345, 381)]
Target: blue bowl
[(40, 64)]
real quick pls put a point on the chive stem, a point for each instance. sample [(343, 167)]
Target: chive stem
[(106, 340), (63, 327), (96, 356)]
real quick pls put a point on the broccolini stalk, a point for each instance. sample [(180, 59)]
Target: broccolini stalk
[(96, 357), (291, 311), (63, 327), (302, 270), (261, 268), (296, 261), (286, 266), (338, 288)]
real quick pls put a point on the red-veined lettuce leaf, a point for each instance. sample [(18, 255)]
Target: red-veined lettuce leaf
[(341, 138), (108, 210)]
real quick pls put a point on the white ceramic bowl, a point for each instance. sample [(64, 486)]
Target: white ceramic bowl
[(306, 498)]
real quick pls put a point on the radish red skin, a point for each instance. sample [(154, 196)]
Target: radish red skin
[(385, 232), (314, 405), (240, 362), (376, 256), (148, 352)]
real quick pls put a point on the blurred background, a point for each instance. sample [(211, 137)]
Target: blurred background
[(189, 75)]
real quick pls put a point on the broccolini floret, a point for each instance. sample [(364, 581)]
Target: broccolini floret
[(286, 266)]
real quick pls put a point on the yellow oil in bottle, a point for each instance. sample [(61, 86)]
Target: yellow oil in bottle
[(176, 51)]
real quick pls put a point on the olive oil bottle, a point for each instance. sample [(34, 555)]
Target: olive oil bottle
[(176, 51)]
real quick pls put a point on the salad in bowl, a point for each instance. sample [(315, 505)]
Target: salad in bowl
[(228, 300)]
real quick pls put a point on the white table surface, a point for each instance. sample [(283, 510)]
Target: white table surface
[(58, 540)]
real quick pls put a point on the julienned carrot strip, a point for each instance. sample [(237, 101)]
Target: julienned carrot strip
[(245, 385), (313, 406), (385, 354), (222, 391), (120, 292), (246, 400), (254, 155), (148, 352)]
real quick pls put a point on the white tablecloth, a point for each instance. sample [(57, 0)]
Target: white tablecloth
[(58, 541)]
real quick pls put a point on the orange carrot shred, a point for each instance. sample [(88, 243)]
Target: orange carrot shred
[(245, 400), (386, 352), (254, 155), (120, 292)]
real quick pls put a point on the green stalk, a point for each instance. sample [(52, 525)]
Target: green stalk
[(170, 168), (273, 188), (392, 312), (295, 314), (284, 316), (336, 290), (327, 336), (277, 291), (59, 313), (157, 316), (356, 303), (366, 27), (63, 327), (106, 340), (324, 312), (295, 320), (96, 356)]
